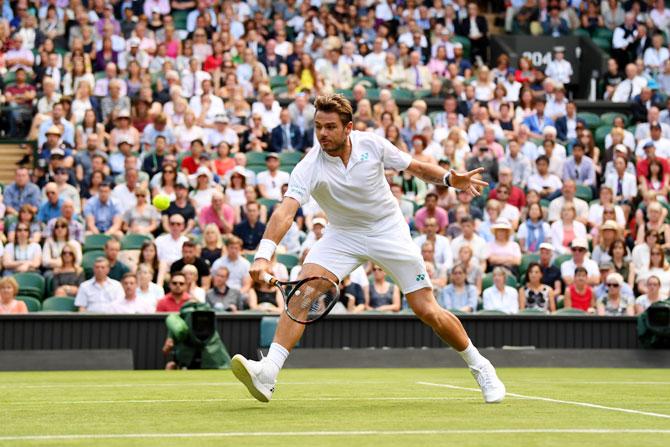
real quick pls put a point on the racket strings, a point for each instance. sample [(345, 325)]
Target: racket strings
[(311, 299)]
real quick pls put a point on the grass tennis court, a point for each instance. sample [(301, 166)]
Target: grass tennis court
[(380, 407)]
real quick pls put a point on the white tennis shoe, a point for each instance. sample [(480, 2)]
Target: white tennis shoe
[(492, 388), (254, 376)]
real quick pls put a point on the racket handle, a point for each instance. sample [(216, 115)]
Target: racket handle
[(268, 278)]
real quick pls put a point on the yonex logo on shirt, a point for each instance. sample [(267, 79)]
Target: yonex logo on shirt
[(420, 277), (365, 156)]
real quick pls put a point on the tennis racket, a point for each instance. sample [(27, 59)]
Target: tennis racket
[(307, 300)]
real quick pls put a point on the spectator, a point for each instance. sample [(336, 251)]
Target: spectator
[(614, 303), (181, 206), (469, 237), (579, 247), (212, 245), (607, 234), (218, 213), (600, 290), (629, 87), (443, 253), (143, 218), (100, 292), (131, 303), (579, 168), (196, 292), (57, 240), (50, 209), (652, 296), (22, 255), (534, 232), (568, 196), (19, 97), (102, 215), (116, 268), (605, 202), (551, 275), (579, 294), (21, 192), (221, 297), (68, 274), (189, 257), (502, 252), (147, 290), (535, 294), (169, 245), (546, 184), (459, 294), (567, 229), (508, 177), (177, 297), (9, 289), (384, 295), (642, 252), (270, 181), (500, 296), (658, 266), (204, 188), (250, 230), (623, 184), (431, 210), (26, 217), (266, 298), (238, 266)]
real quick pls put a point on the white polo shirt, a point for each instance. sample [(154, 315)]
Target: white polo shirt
[(355, 197), (99, 297)]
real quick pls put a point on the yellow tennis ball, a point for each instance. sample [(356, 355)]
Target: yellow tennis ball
[(161, 202)]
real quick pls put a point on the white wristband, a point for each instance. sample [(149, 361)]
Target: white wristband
[(266, 249)]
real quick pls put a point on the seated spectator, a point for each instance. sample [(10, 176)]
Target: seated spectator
[(507, 176), (212, 245), (657, 178), (9, 289), (21, 192), (546, 184), (131, 303), (567, 229), (535, 294), (605, 202), (352, 295), (180, 205), (56, 242), (609, 232), (618, 253), (652, 296), (196, 292), (143, 218), (177, 297), (68, 274), (551, 275), (431, 210), (555, 25), (579, 168), (204, 188), (538, 120), (98, 293), (22, 255), (147, 290), (50, 208), (116, 268), (101, 213), (534, 231), (472, 267), (491, 216), (614, 303), (270, 181), (266, 298), (458, 294), (221, 297), (655, 222), (502, 252), (623, 184), (384, 295), (26, 217), (189, 257), (501, 296), (579, 248), (658, 266), (168, 245), (601, 289), (579, 295), (237, 265), (286, 137), (443, 253), (642, 252), (469, 237), (219, 213), (250, 230)]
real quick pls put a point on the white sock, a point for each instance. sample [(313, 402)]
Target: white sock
[(471, 355), (277, 355)]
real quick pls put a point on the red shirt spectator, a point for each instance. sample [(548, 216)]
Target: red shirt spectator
[(516, 197), (168, 303)]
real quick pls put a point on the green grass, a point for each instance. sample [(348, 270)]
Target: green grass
[(386, 401)]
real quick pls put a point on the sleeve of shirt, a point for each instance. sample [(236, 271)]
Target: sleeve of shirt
[(81, 300), (392, 157), (300, 183)]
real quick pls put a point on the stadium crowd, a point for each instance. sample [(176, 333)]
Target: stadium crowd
[(130, 99)]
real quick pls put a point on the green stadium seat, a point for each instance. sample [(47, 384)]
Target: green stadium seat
[(59, 304), (269, 203), (88, 259), (32, 304), (279, 89), (532, 312), (491, 312), (256, 158), (601, 133), (603, 33), (179, 18), (257, 168), (287, 168), (288, 260), (581, 32), (560, 259), (458, 312), (133, 241), (373, 94), (608, 118), (366, 81), (544, 203), (603, 43), (31, 284), (570, 311), (268, 327), (433, 116), (346, 92), (402, 93), (277, 81), (419, 94), (249, 257), (291, 158), (95, 242), (526, 260), (591, 120), (584, 192)]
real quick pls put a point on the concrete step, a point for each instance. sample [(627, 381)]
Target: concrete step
[(10, 153)]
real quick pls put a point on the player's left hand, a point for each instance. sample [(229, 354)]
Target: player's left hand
[(468, 181)]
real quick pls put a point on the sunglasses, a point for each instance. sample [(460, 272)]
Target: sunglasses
[(578, 249), (60, 226), (176, 223), (177, 283), (22, 229), (67, 253), (613, 285)]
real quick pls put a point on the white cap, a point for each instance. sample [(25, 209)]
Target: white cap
[(319, 221)]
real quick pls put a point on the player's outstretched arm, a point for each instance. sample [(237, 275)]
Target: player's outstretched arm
[(276, 229), (466, 181)]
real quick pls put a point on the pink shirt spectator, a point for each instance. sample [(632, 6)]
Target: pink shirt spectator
[(439, 214), (208, 216), (511, 248)]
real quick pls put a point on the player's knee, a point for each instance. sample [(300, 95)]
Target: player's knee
[(428, 313)]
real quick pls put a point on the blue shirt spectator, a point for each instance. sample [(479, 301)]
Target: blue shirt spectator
[(50, 209), (21, 192), (68, 128), (102, 214), (464, 299)]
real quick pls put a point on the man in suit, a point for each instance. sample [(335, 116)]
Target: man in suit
[(417, 76), (302, 113), (566, 125), (286, 136), (644, 101), (476, 29)]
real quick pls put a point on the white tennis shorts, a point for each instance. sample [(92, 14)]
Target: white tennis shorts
[(341, 251)]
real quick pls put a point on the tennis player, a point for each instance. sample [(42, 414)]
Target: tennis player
[(344, 173)]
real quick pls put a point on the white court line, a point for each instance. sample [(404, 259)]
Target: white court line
[(170, 384), (307, 399), (557, 401), (332, 433)]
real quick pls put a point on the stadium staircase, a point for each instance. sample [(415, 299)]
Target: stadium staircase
[(11, 151)]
